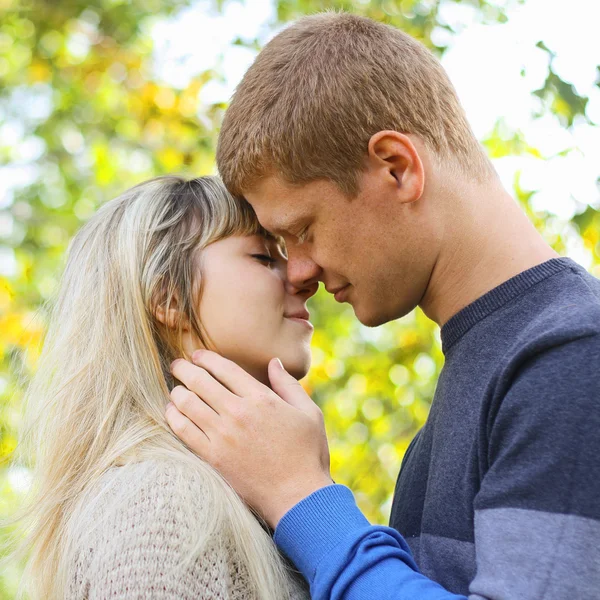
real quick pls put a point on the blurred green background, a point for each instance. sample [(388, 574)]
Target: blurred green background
[(93, 99)]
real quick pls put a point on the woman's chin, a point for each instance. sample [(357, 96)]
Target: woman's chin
[(296, 365), (297, 368)]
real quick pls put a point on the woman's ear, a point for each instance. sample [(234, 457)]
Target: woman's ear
[(168, 318), (171, 317)]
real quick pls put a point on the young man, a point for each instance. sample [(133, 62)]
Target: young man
[(347, 138)]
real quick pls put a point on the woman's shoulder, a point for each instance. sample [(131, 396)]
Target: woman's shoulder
[(155, 495), (147, 526), (157, 475)]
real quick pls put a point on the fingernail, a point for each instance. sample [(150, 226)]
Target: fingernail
[(279, 363)]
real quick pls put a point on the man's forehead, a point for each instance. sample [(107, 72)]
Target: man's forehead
[(278, 213), (278, 221)]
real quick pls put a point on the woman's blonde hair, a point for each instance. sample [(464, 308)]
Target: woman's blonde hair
[(97, 398)]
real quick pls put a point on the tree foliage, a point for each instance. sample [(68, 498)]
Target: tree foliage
[(82, 117)]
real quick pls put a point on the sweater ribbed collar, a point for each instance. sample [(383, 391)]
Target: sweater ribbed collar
[(491, 301)]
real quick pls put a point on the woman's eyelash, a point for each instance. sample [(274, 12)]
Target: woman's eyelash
[(264, 257), (301, 237)]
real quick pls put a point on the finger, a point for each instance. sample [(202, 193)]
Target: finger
[(202, 383), (196, 440), (194, 408), (288, 387), (232, 376)]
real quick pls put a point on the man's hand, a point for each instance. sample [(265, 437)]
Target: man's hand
[(269, 444)]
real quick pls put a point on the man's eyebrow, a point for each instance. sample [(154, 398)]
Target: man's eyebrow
[(281, 227)]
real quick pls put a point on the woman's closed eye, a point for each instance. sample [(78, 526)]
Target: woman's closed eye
[(265, 258)]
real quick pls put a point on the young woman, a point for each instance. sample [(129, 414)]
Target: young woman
[(120, 507)]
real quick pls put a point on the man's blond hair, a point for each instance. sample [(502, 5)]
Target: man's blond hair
[(307, 107)]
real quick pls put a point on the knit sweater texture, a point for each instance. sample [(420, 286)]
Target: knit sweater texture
[(134, 531)]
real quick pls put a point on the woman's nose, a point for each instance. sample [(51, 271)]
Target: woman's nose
[(305, 291)]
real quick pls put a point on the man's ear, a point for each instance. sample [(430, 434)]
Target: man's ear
[(396, 156)]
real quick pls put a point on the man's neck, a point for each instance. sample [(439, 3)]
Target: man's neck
[(487, 240)]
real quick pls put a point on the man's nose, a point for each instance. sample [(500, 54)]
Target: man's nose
[(303, 275)]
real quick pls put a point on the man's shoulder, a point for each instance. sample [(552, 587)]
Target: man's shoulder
[(564, 311), (550, 373), (549, 362), (557, 349)]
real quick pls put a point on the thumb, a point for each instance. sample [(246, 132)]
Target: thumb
[(287, 387)]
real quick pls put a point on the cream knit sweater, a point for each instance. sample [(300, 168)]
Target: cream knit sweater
[(132, 535)]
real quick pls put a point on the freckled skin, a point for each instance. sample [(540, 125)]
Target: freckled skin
[(382, 242), (419, 233)]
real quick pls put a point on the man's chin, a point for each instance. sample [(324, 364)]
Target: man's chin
[(369, 318), (374, 317)]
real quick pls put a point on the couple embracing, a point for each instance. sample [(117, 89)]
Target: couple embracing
[(346, 159)]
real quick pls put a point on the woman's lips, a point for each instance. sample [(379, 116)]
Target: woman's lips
[(300, 316), (302, 321)]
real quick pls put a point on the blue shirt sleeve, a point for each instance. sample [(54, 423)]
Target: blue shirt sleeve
[(344, 557)]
